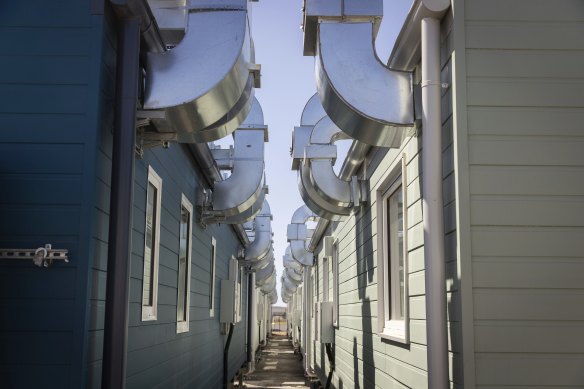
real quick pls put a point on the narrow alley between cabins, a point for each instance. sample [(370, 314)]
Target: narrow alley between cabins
[(280, 366), (197, 194)]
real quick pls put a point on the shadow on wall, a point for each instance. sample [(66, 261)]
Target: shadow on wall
[(365, 277)]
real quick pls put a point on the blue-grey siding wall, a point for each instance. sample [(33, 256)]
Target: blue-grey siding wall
[(157, 355), (49, 115), (57, 84)]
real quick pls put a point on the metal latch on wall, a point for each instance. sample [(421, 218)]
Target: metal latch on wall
[(42, 256)]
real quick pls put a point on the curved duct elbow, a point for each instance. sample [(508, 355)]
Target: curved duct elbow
[(299, 235), (239, 193), (367, 100), (288, 285), (294, 276), (269, 285), (202, 89), (290, 263), (249, 214), (321, 189), (263, 274), (261, 245), (262, 263)]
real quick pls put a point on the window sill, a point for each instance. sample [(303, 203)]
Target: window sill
[(395, 333)]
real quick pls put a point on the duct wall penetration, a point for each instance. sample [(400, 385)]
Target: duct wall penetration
[(299, 235), (203, 100), (365, 99)]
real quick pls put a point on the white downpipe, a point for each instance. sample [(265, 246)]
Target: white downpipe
[(252, 323), (433, 207), (306, 318)]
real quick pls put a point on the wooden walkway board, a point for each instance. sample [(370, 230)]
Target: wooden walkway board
[(278, 368)]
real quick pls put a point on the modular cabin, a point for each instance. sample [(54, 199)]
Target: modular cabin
[(155, 267), (448, 248)]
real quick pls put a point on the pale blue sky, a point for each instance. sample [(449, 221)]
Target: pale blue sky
[(287, 84)]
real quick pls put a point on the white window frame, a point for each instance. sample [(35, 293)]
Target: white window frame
[(212, 277), (335, 271), (149, 312), (183, 325), (240, 288), (325, 278), (388, 327)]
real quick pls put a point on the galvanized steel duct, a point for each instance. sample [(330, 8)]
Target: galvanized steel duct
[(237, 198), (202, 89), (367, 100), (264, 274), (321, 189), (262, 243), (298, 235)]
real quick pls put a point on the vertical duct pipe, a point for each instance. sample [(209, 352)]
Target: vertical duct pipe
[(121, 200), (433, 206), (252, 314)]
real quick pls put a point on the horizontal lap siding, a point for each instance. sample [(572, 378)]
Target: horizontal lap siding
[(363, 359), (525, 85), (157, 355), (49, 106)]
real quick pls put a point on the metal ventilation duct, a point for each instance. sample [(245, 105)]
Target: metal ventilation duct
[(299, 236), (321, 189), (171, 17), (368, 101), (263, 274), (260, 264), (289, 262), (262, 243), (269, 285), (249, 214), (240, 193), (311, 114), (294, 276), (202, 89), (288, 286)]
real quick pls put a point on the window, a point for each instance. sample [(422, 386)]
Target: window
[(325, 279), (335, 297), (151, 246), (239, 288), (393, 257), (184, 265), (212, 278)]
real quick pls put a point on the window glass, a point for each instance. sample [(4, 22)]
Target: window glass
[(184, 264), (151, 246)]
